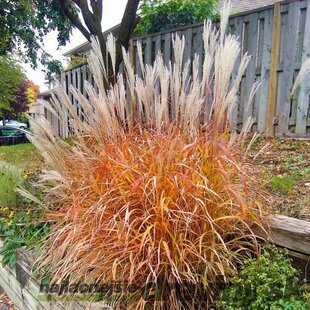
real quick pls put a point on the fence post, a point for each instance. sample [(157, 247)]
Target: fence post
[(273, 79), (304, 91)]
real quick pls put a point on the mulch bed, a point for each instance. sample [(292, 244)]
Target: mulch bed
[(6, 303), (285, 167)]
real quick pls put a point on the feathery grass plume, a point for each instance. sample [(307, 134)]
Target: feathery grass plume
[(144, 194), (304, 70)]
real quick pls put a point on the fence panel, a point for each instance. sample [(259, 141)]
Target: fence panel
[(277, 40)]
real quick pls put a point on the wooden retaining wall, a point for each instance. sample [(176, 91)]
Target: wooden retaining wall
[(277, 38), (292, 234), (22, 288)]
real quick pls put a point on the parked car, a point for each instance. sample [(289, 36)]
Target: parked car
[(15, 124), (10, 135)]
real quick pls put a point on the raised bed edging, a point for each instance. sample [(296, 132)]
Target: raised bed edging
[(292, 234), (21, 287)]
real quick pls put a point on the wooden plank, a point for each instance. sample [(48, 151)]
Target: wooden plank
[(288, 232), (79, 87), (148, 51), (293, 136), (132, 53), (157, 45), (84, 71), (69, 81), (238, 26), (301, 35), (273, 77), (263, 100), (5, 284), (20, 295), (129, 99), (289, 30), (199, 48), (250, 71), (167, 49), (137, 62), (304, 90), (65, 131), (188, 35), (90, 78), (187, 56), (74, 84), (244, 48), (292, 118)]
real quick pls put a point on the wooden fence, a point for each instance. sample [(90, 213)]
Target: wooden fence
[(277, 39)]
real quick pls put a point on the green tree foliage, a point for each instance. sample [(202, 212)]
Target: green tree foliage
[(268, 283), (76, 60), (11, 76), (160, 15), (53, 67), (24, 23)]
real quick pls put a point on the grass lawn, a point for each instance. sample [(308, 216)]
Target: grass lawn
[(23, 156), (10, 178), (285, 167)]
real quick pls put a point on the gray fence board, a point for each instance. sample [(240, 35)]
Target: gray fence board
[(265, 65), (289, 44), (251, 48), (303, 103)]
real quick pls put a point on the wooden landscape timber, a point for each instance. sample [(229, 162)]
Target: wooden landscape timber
[(23, 289), (292, 234)]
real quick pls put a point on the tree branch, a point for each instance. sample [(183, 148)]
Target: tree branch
[(76, 22), (97, 8), (93, 24), (127, 23), (126, 27)]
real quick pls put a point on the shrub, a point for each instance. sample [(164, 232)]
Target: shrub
[(161, 15), (20, 229), (269, 282), (20, 225), (144, 193)]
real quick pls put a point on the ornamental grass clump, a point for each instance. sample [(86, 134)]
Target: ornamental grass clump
[(152, 190)]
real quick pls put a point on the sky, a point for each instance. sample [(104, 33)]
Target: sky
[(112, 14)]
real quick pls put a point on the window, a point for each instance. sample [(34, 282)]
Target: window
[(8, 132)]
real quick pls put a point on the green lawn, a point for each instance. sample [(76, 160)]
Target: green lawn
[(16, 162), (23, 156), (10, 179)]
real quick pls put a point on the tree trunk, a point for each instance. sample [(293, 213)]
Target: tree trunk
[(92, 20)]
